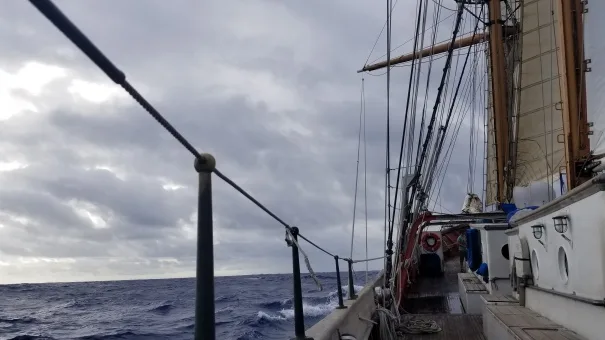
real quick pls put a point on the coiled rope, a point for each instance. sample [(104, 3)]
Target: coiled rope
[(415, 325), (392, 326)]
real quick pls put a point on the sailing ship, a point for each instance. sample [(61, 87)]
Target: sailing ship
[(535, 259), (536, 241)]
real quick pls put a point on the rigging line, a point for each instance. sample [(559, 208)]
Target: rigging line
[(440, 5), (405, 122), (365, 170), (388, 137), (428, 80), (453, 101), (368, 260), (458, 110), (411, 39), (389, 244), (57, 18), (439, 94), (379, 35), (357, 168), (316, 246), (449, 152), (415, 94), (473, 137)]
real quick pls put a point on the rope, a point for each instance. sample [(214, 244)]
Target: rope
[(307, 263), (368, 260), (388, 323), (415, 325), (392, 327)]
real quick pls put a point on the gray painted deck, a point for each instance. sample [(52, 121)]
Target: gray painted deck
[(437, 298)]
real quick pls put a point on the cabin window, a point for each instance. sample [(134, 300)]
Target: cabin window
[(535, 265), (504, 251), (563, 265)]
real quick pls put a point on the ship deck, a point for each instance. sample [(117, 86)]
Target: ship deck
[(437, 298)]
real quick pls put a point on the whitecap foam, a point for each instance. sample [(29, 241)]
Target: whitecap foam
[(262, 315)]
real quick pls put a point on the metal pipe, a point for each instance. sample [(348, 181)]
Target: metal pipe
[(339, 284), (204, 286), (351, 285), (299, 317)]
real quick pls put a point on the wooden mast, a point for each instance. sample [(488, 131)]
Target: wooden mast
[(573, 90), (499, 97), (499, 83)]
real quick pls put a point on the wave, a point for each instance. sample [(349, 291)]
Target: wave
[(253, 334), (225, 298), (22, 320), (163, 308), (276, 303), (312, 306), (31, 337), (118, 335)]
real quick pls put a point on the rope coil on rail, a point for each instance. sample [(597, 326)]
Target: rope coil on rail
[(291, 238)]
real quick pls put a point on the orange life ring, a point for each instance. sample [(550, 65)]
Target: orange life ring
[(429, 245)]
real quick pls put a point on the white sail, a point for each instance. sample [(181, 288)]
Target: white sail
[(540, 149), (594, 49)]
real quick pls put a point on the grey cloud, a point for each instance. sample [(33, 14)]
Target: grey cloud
[(294, 148)]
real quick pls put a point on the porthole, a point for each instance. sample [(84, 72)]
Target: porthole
[(535, 265), (504, 251), (563, 265)]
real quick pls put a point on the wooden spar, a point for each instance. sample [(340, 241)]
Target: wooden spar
[(436, 49), (573, 88), (499, 97)]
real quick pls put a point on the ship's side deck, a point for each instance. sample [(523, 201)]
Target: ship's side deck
[(437, 298)]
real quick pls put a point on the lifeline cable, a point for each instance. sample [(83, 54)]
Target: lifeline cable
[(54, 15)]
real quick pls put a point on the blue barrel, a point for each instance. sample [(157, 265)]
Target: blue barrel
[(473, 241)]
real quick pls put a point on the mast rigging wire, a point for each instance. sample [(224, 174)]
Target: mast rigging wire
[(437, 102), (387, 179), (357, 167), (389, 244)]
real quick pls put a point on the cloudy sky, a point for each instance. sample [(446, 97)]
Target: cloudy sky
[(91, 187)]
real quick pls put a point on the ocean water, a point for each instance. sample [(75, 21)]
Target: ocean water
[(247, 307)]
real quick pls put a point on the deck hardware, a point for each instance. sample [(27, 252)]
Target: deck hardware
[(339, 285), (561, 224), (538, 231), (352, 295)]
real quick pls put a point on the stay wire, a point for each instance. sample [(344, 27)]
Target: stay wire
[(365, 171), (405, 121), (357, 167), (456, 92), (438, 98), (388, 127)]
